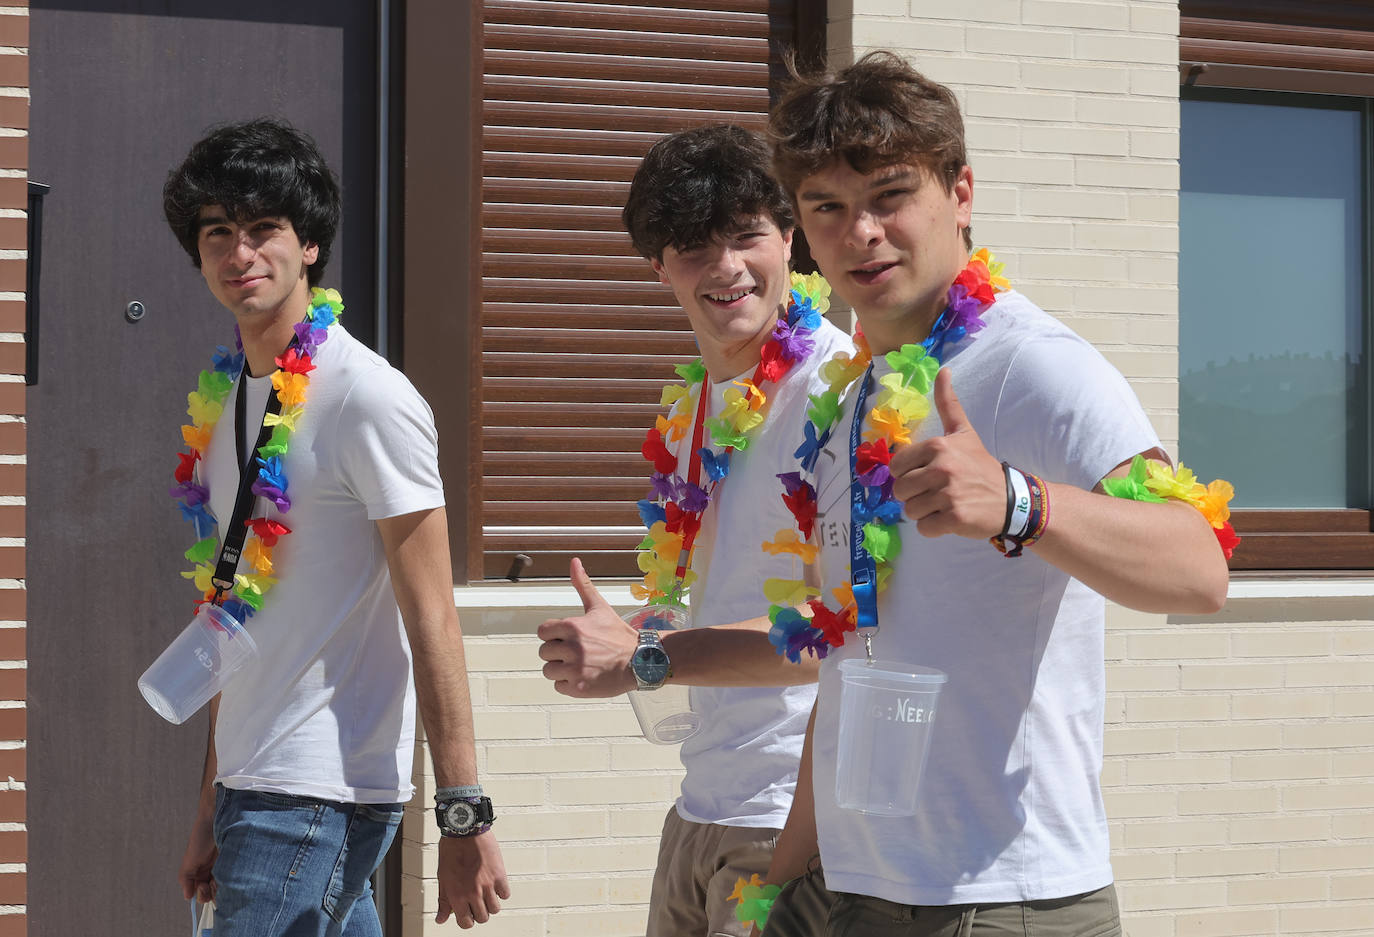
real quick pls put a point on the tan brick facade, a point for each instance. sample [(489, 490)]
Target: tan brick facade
[(14, 112)]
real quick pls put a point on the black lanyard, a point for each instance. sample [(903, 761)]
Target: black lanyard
[(237, 532)]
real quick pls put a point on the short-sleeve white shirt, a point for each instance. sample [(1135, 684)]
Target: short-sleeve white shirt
[(327, 708), (1010, 808)]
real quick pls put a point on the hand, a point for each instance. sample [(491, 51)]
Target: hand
[(951, 484), (472, 879), (589, 655), (198, 863)]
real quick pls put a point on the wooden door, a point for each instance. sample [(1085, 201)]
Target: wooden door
[(120, 90)]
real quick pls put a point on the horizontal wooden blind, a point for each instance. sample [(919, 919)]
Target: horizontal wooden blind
[(578, 336), (1315, 46)]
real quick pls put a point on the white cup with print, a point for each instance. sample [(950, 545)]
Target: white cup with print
[(665, 715), (197, 665), (887, 711)]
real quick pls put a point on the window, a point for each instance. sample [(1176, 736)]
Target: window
[(1275, 283)]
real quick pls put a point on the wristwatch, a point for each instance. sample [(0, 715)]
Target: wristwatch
[(464, 816), (649, 663)]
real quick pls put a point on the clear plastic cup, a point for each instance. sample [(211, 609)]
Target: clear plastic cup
[(887, 710), (665, 715), (197, 665)]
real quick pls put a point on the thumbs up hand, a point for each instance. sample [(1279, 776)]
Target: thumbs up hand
[(588, 656), (951, 484)]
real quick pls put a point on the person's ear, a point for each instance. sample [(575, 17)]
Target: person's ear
[(661, 271), (963, 196)]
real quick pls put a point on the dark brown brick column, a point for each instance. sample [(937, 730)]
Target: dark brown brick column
[(14, 140)]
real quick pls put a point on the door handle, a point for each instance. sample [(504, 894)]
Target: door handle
[(35, 251)]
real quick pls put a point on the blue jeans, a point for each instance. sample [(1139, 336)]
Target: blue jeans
[(293, 866)]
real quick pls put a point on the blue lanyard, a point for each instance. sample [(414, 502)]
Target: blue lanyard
[(863, 572)]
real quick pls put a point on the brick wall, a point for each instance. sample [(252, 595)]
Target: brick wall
[(1240, 751), (1240, 770), (1071, 113), (14, 114), (580, 793)]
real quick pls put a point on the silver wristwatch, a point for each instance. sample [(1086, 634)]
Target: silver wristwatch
[(649, 663)]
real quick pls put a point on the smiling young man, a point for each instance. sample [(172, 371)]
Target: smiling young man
[(343, 583), (717, 229), (1009, 835)]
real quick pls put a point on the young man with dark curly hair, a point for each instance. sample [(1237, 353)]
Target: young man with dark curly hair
[(974, 416), (717, 228), (343, 582)]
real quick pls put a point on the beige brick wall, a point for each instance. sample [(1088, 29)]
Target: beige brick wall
[(1239, 776), (581, 794), (1071, 111)]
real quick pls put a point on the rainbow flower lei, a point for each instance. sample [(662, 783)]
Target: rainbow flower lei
[(672, 512), (206, 406), (753, 900), (1151, 480), (897, 411)]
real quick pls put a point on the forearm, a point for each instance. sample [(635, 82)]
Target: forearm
[(418, 558), (205, 805), (733, 655), (444, 699), (1151, 557), (798, 842)]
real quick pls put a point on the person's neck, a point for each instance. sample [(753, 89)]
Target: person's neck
[(889, 334), (266, 337), (886, 334), (726, 360)]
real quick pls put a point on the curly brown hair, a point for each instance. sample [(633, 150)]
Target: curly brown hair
[(696, 185), (877, 112)]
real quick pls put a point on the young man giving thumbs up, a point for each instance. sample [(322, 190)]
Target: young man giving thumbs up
[(717, 228), (977, 415)]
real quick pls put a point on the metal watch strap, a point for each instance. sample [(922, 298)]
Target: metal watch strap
[(649, 637)]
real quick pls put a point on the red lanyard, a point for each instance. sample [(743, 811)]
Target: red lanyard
[(684, 560)]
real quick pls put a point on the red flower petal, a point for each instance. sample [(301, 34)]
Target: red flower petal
[(1227, 538), (871, 454), (267, 530), (773, 366), (186, 467), (654, 450)]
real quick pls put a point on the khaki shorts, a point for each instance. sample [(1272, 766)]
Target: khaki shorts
[(698, 865), (803, 907), (1094, 914)]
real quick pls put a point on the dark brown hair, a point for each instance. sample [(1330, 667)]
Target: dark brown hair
[(696, 185), (877, 112)]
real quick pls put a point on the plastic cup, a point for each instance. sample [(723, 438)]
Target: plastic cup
[(197, 665), (887, 710), (665, 715)]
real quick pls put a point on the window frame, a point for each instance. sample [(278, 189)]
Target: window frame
[(1286, 53)]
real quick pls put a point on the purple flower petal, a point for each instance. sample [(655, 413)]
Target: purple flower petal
[(191, 493), (274, 494), (877, 476), (693, 498), (663, 486)]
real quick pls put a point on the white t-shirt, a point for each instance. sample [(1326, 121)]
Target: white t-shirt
[(1009, 807), (327, 708), (742, 764)]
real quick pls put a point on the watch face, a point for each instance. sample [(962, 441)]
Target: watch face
[(460, 815), (650, 664)]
